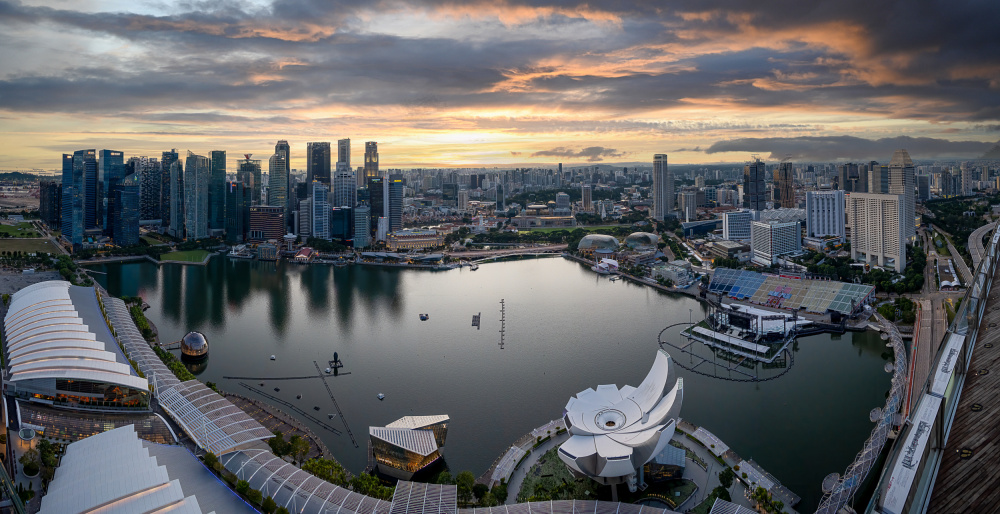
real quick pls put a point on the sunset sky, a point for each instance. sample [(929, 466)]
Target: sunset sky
[(499, 83)]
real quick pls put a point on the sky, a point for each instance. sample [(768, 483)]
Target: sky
[(501, 82)]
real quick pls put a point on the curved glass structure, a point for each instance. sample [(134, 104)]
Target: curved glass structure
[(598, 242)]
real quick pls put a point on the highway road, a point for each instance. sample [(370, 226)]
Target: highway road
[(976, 247), (960, 264)]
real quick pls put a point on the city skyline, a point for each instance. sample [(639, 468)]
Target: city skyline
[(445, 85)]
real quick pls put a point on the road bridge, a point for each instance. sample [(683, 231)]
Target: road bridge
[(976, 247)]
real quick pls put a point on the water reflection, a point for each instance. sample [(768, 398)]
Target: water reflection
[(196, 368)]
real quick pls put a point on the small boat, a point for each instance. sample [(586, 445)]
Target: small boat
[(381, 396), (331, 416), (298, 397), (316, 408), (262, 384), (424, 317), (327, 371), (474, 267), (276, 389), (272, 357)]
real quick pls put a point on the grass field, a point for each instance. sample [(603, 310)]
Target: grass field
[(185, 256), (570, 229), (29, 246), (19, 230), (152, 242)]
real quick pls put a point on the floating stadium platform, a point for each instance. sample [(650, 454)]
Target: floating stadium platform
[(784, 292)]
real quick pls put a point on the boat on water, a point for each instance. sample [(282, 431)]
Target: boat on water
[(424, 317), (272, 357), (474, 267), (328, 371), (381, 396), (331, 416)]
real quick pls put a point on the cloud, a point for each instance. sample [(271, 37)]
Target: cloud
[(695, 149), (833, 148), (591, 153), (515, 154)]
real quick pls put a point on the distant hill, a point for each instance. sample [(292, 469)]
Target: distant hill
[(17, 176), (993, 153)]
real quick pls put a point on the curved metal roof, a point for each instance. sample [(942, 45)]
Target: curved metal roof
[(48, 338)]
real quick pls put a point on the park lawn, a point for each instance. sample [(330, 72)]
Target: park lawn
[(19, 230), (29, 246), (185, 256), (570, 229), (152, 242)]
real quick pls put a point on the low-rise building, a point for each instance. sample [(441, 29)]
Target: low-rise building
[(771, 240), (730, 250), (414, 239), (408, 444), (267, 252), (676, 274)]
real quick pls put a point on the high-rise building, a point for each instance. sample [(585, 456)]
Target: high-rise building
[(71, 202), (784, 185), (238, 201), (277, 191), (902, 182), (167, 159), (91, 196), (304, 230), (362, 226), (341, 222), (878, 178), (177, 214), (772, 240), (50, 202), (345, 189), (197, 175), (463, 200), (267, 222), (371, 160), (125, 231), (110, 171), (923, 187), (394, 202), (588, 198), (736, 225), (344, 152), (217, 194), (754, 190), (318, 162), (688, 205), (376, 198), (282, 147), (966, 174), (862, 185), (877, 229), (825, 214), (248, 172), (147, 170), (319, 196), (663, 188)]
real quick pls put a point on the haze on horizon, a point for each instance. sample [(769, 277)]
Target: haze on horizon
[(451, 84)]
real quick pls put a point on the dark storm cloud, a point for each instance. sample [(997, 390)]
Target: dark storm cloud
[(832, 148), (591, 153)]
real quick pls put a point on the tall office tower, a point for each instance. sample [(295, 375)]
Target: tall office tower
[(125, 231), (304, 230), (167, 159), (341, 219), (699, 181), (588, 197), (248, 172), (50, 202), (501, 197), (362, 226), (902, 182), (688, 205), (71, 201), (319, 195), (923, 188), (283, 147), (318, 162), (345, 190), (147, 170), (176, 185), (382, 229), (663, 188), (736, 225), (862, 185), (966, 174), (825, 214), (878, 178), (238, 200), (267, 222), (770, 240), (784, 185), (371, 160), (217, 194), (344, 152), (376, 198), (197, 175), (110, 171), (394, 201), (277, 192), (877, 229), (463, 200), (91, 194), (754, 190)]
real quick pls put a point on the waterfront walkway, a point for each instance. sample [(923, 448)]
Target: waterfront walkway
[(967, 480)]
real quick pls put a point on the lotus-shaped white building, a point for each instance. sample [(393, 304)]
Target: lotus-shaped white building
[(613, 431)]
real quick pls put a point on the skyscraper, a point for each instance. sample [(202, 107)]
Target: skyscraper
[(318, 162), (902, 182), (50, 202), (362, 226), (394, 202), (284, 148), (344, 152), (110, 171), (237, 211), (125, 231), (71, 223), (217, 194), (147, 170), (876, 229), (754, 190), (784, 185), (277, 193), (320, 210), (588, 198), (878, 178), (248, 172), (371, 160), (167, 159), (376, 198), (176, 186), (91, 194), (663, 187), (345, 190), (825, 214), (197, 174)]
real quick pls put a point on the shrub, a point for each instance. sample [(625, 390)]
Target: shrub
[(255, 496)]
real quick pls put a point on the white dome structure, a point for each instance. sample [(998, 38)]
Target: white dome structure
[(615, 431)]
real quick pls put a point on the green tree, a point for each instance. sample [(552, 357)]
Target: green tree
[(371, 486), (278, 445), (210, 460), (268, 505), (499, 492), (242, 487), (488, 500), (480, 490), (465, 481), (726, 477), (445, 478), (281, 510), (327, 469), (255, 496)]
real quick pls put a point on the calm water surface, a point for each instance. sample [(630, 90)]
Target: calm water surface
[(566, 330)]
